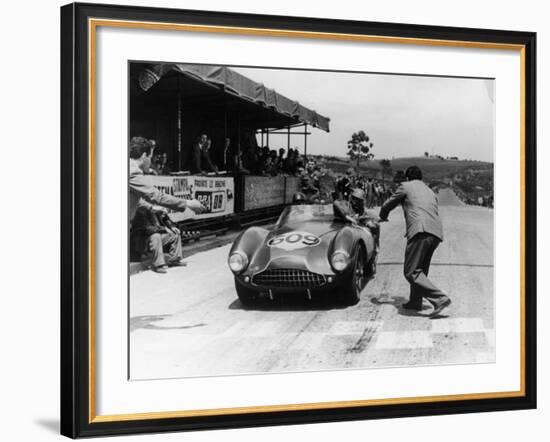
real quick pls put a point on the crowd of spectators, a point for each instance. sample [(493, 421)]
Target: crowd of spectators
[(247, 159), (316, 181), (259, 161), (270, 162), (481, 200)]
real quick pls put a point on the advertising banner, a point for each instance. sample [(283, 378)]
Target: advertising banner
[(215, 193)]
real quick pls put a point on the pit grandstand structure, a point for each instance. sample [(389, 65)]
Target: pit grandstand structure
[(174, 103)]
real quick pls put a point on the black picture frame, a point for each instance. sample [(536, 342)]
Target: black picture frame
[(75, 220)]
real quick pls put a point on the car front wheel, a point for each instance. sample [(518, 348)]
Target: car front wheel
[(352, 288)]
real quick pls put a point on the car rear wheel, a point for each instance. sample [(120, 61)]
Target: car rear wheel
[(353, 287), (246, 296)]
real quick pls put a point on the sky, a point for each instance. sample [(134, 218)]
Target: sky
[(403, 115)]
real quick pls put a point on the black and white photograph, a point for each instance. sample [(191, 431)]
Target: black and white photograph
[(290, 220)]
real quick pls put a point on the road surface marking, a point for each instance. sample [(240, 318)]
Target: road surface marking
[(404, 339), (353, 327), (458, 325)]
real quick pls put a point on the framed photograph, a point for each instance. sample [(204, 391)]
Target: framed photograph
[(273, 220)]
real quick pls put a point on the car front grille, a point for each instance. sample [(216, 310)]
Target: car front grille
[(289, 278)]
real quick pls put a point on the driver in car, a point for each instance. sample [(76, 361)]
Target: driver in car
[(354, 212), (354, 209)]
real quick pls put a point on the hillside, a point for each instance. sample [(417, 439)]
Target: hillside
[(434, 169)]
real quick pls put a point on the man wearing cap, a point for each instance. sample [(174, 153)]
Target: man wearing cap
[(424, 232), (354, 209)]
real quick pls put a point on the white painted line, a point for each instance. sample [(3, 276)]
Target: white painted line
[(353, 327), (404, 339), (458, 325)]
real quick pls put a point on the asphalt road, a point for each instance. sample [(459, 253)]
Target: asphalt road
[(189, 321)]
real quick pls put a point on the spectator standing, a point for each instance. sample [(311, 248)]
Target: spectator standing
[(281, 159), (289, 164), (379, 194), (299, 159), (155, 165), (369, 189), (343, 188), (271, 167), (267, 165), (201, 155), (163, 168), (229, 160), (251, 159)]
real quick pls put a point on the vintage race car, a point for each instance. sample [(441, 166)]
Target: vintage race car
[(309, 250)]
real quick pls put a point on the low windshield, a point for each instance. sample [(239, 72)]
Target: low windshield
[(305, 212)]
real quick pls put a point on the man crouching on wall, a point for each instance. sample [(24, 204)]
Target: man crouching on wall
[(144, 218)]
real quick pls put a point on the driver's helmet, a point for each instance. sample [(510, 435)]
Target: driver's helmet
[(358, 200), (299, 198)]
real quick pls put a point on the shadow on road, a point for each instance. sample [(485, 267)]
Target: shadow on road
[(149, 323), (398, 301), (443, 264), (291, 302)]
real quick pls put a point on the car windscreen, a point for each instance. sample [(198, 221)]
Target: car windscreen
[(306, 212)]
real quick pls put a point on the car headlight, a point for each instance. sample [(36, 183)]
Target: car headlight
[(237, 262), (339, 260)]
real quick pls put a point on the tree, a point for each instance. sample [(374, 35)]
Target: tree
[(386, 167), (426, 154), (359, 147)]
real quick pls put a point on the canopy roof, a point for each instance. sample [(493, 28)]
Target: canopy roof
[(277, 110)]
